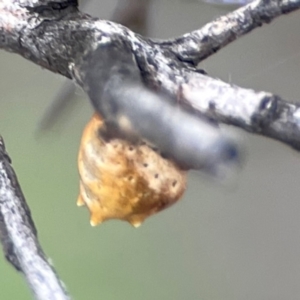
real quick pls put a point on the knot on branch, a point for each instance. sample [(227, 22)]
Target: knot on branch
[(268, 111)]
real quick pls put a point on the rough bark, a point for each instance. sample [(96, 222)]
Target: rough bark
[(55, 35), (18, 237)]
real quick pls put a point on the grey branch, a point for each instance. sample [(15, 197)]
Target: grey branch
[(55, 35), (195, 46), (19, 237), (257, 112)]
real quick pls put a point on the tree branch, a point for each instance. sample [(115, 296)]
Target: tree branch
[(19, 237), (58, 37), (196, 46), (256, 112)]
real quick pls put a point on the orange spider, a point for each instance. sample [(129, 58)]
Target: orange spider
[(120, 180)]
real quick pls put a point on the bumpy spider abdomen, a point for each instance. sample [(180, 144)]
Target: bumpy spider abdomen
[(120, 180)]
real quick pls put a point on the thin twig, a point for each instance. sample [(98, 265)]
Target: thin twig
[(19, 237), (197, 45)]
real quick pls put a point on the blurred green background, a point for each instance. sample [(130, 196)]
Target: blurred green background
[(236, 241)]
